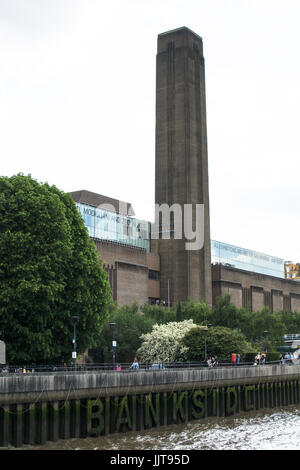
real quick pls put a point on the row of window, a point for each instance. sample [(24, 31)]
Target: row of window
[(248, 260), (106, 225)]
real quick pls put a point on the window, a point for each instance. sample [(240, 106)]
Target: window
[(154, 275)]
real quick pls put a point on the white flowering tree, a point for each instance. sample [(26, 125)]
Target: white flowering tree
[(163, 343)]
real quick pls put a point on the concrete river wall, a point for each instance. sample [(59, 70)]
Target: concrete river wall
[(35, 408)]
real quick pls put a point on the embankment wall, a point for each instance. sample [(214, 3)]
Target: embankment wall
[(35, 408)]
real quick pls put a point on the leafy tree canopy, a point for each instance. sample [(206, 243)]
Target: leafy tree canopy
[(130, 324), (159, 313), (221, 342), (161, 344), (199, 312), (49, 272), (224, 313)]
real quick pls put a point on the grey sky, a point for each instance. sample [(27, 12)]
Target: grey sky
[(77, 105)]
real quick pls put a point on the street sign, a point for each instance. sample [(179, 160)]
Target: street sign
[(74, 355), (114, 344)]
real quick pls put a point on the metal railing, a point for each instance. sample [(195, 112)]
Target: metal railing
[(120, 367)]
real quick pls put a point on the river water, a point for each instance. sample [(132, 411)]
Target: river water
[(276, 429)]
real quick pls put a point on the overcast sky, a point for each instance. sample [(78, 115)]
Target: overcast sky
[(77, 105)]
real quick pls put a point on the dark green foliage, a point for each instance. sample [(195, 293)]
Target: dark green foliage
[(254, 324), (291, 321), (159, 313), (199, 312), (224, 313), (221, 342), (262, 321), (232, 330), (179, 313), (130, 325), (49, 271), (194, 342)]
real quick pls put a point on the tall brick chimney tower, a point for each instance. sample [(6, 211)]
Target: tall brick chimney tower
[(181, 173)]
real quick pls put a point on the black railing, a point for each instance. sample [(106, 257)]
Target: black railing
[(121, 367)]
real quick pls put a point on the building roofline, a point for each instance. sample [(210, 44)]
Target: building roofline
[(96, 200)]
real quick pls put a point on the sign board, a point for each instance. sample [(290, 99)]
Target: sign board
[(114, 344), (2, 353), (74, 355)]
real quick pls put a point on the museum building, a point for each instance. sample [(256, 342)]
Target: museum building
[(144, 269), (132, 262)]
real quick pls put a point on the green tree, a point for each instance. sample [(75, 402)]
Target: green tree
[(224, 313), (291, 321), (199, 312), (179, 313), (159, 313), (161, 344), (221, 342), (192, 345), (252, 324), (265, 328), (49, 271), (130, 325)]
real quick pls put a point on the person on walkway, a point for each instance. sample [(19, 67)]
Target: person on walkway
[(281, 358), (288, 358), (257, 359), (135, 364), (213, 361), (238, 359), (208, 362)]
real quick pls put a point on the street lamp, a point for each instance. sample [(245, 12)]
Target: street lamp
[(75, 320), (265, 335), (114, 343)]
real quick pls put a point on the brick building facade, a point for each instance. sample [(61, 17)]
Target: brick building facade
[(141, 269)]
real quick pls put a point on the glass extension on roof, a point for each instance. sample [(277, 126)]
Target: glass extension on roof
[(110, 226), (248, 260)]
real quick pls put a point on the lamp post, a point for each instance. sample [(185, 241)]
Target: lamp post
[(265, 335), (114, 343), (205, 329), (75, 320)]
